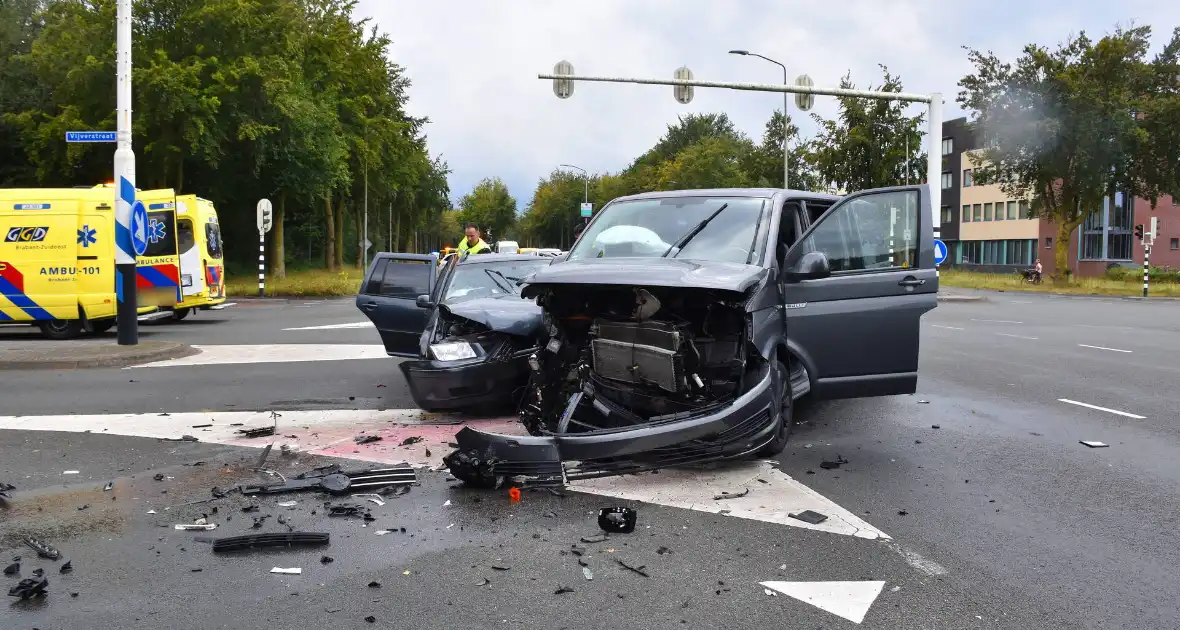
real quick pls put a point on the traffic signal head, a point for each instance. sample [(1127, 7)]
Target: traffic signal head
[(266, 220), (1139, 231)]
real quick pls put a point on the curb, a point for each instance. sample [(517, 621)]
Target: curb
[(961, 298), (158, 351)]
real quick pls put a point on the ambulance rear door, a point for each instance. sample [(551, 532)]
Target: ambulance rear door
[(158, 270), (37, 268), (192, 278)]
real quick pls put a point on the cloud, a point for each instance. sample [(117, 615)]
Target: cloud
[(474, 63)]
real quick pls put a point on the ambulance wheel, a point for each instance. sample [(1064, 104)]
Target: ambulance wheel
[(61, 328), (101, 326), (180, 313)]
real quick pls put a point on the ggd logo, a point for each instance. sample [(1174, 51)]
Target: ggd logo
[(26, 234)]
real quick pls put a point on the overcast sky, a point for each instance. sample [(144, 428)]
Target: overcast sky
[(474, 63)]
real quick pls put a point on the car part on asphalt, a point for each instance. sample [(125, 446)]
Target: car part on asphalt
[(617, 520), (639, 570), (258, 541), (365, 439), (67, 567), (730, 495), (5, 488), (335, 481), (44, 550), (808, 516), (834, 464), (257, 432), (12, 569), (30, 587)]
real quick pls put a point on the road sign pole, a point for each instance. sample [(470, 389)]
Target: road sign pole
[(127, 310), (1146, 268), (264, 222)]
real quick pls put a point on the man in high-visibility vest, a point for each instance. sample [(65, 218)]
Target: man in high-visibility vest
[(473, 244)]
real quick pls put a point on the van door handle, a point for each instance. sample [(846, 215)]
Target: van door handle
[(910, 281), (369, 306)]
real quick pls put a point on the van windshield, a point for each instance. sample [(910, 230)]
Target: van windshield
[(213, 240)]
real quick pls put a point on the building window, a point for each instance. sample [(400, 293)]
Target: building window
[(965, 217), (977, 212), (1175, 243), (1048, 242), (948, 146), (946, 181), (1106, 234), (972, 252), (1017, 210), (987, 212), (946, 215), (967, 178)]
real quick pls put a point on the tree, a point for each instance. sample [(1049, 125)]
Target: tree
[(713, 162), (1069, 127), (490, 207), (765, 163), (865, 146)]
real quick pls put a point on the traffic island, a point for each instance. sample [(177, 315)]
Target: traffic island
[(43, 354)]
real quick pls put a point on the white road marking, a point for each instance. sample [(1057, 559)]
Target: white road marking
[(997, 321), (364, 324), (848, 600), (273, 353), (769, 502), (1016, 336), (912, 558), (1019, 302), (946, 327), (1106, 409), (1103, 348)]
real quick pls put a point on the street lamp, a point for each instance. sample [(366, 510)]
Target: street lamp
[(585, 179), (786, 96)]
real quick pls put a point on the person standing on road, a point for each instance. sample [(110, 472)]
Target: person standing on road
[(473, 244), (1037, 269)]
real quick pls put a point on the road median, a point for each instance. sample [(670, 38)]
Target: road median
[(43, 354)]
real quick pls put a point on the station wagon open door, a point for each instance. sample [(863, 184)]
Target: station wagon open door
[(388, 297), (856, 286)]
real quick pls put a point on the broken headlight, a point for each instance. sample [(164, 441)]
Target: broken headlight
[(452, 351)]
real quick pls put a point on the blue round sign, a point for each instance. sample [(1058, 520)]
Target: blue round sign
[(139, 227), (940, 252)]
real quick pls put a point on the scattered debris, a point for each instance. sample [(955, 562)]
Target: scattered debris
[(563, 589), (291, 571), (37, 573), (731, 495), (69, 472), (593, 539), (371, 619), (374, 584), (287, 504), (501, 567), (620, 520), (483, 582), (158, 477), (12, 569), (414, 439), (514, 495), (382, 532), (365, 439), (663, 550), (902, 512), (201, 426), (770, 592), (29, 587), (587, 573), (259, 520), (1094, 444), (197, 525), (923, 402), (555, 492), (84, 506), (257, 432), (447, 503), (265, 454), (808, 516), (151, 511), (935, 426), (375, 498), (578, 551), (107, 488), (42, 549), (67, 567), (256, 541), (638, 570), (345, 509), (832, 465), (335, 481), (327, 559)]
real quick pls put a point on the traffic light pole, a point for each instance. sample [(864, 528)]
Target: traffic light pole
[(1146, 267), (127, 311)]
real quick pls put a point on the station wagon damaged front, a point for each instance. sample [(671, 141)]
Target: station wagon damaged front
[(667, 329)]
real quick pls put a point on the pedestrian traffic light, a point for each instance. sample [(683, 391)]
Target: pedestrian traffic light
[(1139, 231)]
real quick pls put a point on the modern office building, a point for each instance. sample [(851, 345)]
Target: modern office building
[(986, 230)]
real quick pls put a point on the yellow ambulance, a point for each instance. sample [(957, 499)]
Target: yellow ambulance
[(202, 269)]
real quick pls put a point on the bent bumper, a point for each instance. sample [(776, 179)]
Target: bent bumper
[(448, 385), (736, 430)]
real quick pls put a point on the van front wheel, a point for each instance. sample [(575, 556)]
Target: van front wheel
[(60, 329)]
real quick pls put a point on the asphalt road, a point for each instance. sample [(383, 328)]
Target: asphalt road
[(1009, 522)]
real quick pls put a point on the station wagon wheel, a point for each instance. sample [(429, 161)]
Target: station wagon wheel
[(781, 384), (59, 329)]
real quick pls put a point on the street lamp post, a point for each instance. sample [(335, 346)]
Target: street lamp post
[(125, 255), (786, 96), (585, 180)]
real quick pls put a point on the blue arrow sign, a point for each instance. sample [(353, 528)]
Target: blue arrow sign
[(90, 136), (139, 228), (940, 252)]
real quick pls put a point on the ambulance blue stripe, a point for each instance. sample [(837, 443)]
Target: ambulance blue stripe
[(22, 301), (123, 239), (118, 286), (4, 317)]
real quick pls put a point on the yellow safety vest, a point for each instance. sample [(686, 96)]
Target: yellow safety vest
[(479, 247)]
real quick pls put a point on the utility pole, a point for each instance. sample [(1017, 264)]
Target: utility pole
[(125, 232), (365, 236)]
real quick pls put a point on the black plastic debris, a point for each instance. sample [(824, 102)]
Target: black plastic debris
[(257, 432), (834, 464), (345, 509), (638, 570), (1093, 443), (935, 426), (84, 506), (158, 477), (30, 587), (663, 550), (257, 541), (902, 512), (12, 569), (217, 493), (597, 538), (371, 619), (259, 520), (374, 584), (808, 516), (67, 567), (731, 495), (327, 559), (501, 567), (578, 551), (336, 481), (561, 590), (42, 549), (5, 488), (253, 507), (365, 439), (38, 572), (414, 439), (619, 520)]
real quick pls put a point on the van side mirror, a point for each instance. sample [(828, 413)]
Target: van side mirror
[(423, 301), (810, 266)]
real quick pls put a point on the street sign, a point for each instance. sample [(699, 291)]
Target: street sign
[(1153, 231), (940, 252), (264, 216), (90, 136), (804, 101), (587, 209), (366, 244), (563, 88), (139, 228), (683, 93)]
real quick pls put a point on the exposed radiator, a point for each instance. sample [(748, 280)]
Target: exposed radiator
[(639, 353)]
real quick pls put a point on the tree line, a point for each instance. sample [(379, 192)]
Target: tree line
[(292, 100), (1066, 127)]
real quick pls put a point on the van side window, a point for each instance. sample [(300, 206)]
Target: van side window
[(185, 239), (213, 239)]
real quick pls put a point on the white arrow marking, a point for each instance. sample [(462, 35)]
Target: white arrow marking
[(849, 600), (364, 324)]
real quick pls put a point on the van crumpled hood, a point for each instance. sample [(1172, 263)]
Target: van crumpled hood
[(651, 272), (508, 314)]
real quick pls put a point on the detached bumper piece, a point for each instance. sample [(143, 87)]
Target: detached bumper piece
[(258, 541), (334, 480), (448, 385), (739, 429)]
